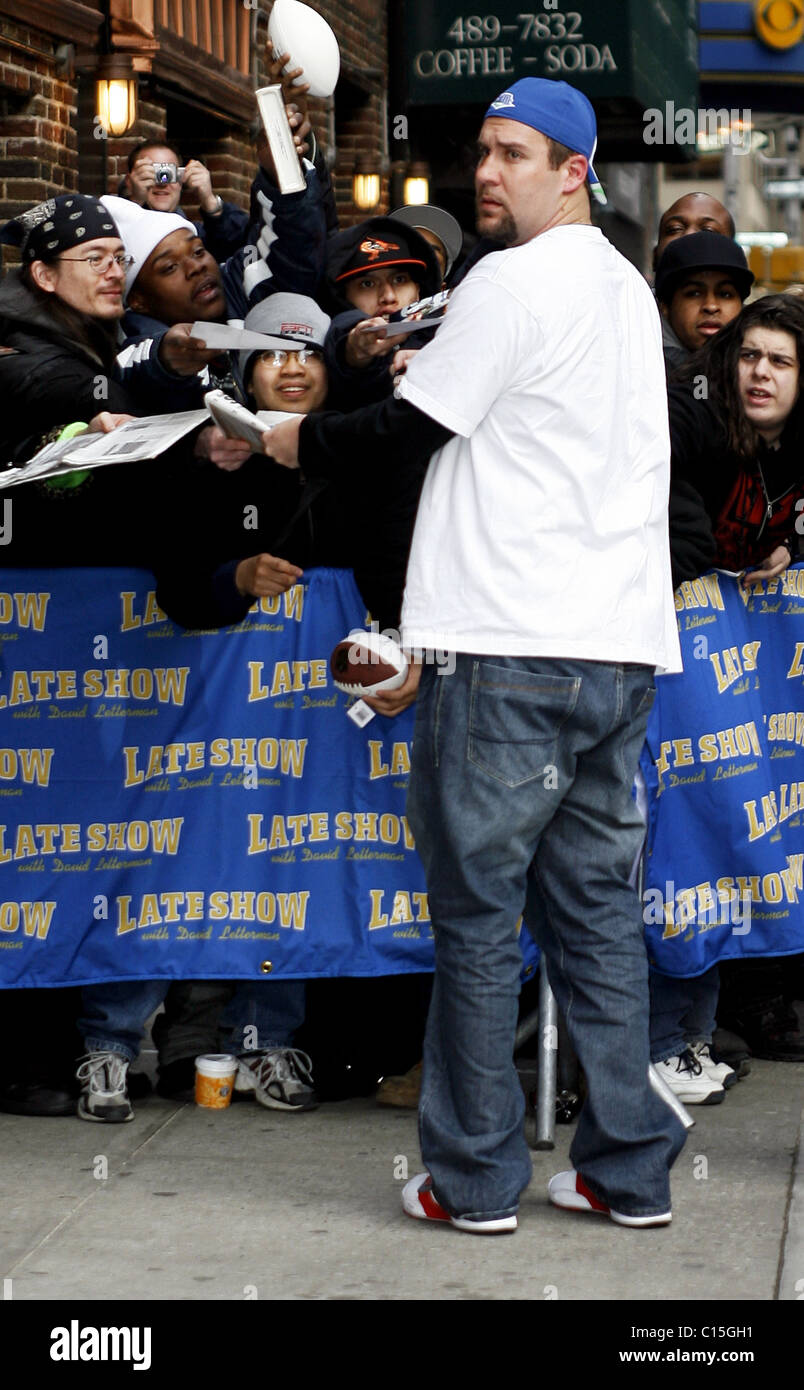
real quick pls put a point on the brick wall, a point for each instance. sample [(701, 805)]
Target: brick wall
[(47, 132), (38, 108), (361, 27)]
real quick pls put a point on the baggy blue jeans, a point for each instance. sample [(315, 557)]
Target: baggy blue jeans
[(521, 788), (682, 1011)]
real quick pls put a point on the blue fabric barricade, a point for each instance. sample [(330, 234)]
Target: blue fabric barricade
[(724, 766), (196, 805)]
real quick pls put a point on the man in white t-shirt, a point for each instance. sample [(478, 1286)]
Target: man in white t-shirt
[(540, 557)]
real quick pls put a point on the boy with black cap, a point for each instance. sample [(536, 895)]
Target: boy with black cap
[(702, 279), (701, 283), (373, 271)]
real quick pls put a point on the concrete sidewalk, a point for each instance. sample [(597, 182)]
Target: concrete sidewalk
[(251, 1203)]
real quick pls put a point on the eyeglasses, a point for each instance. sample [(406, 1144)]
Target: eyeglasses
[(279, 356), (100, 264)]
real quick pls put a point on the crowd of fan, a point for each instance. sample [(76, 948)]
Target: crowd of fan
[(106, 292)]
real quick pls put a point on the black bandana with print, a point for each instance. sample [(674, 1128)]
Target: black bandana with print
[(45, 231)]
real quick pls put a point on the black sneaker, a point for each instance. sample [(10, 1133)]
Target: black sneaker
[(728, 1047), (794, 977), (772, 1032), (176, 1080), (138, 1085), (37, 1098)]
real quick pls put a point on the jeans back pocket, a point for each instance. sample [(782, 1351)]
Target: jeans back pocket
[(515, 720)]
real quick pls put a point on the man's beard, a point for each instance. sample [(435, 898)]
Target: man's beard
[(504, 231)]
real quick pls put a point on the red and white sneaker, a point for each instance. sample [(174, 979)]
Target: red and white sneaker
[(568, 1190), (418, 1201)]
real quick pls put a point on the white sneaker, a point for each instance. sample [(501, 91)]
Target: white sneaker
[(419, 1202), (280, 1077), (726, 1075), (569, 1191), (688, 1080), (104, 1095)]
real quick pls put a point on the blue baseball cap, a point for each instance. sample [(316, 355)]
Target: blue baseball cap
[(556, 109)]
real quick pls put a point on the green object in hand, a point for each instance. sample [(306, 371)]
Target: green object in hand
[(65, 481)]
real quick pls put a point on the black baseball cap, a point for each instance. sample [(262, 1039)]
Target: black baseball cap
[(701, 251), (387, 243)]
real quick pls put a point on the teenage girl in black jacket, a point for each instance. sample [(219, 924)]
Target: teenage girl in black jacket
[(737, 430)]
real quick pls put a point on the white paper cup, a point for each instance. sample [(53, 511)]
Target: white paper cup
[(214, 1080)]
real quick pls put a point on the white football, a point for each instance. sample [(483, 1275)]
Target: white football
[(303, 33), (365, 663)]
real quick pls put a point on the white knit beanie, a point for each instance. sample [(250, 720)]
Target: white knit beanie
[(141, 230)]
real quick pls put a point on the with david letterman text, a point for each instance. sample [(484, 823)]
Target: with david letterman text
[(158, 843)]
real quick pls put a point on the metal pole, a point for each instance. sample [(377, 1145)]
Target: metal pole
[(662, 1090), (526, 1029), (792, 208), (548, 1064), (731, 180)]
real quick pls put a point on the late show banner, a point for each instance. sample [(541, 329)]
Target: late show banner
[(186, 805), (195, 805), (724, 764)]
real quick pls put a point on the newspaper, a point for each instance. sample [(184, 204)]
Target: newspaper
[(145, 438), (238, 423), (231, 339), (400, 330)]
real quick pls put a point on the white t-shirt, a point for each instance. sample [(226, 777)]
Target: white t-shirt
[(542, 528)]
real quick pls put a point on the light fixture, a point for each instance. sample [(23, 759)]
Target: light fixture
[(365, 184), (771, 239), (417, 185), (116, 94)]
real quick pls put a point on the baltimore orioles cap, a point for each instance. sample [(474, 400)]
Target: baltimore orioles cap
[(556, 109), (386, 243)]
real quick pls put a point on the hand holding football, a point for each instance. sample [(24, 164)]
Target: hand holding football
[(366, 663)]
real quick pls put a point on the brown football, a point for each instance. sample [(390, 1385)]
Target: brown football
[(365, 663)]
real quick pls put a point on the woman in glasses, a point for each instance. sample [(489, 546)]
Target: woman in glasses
[(213, 572)]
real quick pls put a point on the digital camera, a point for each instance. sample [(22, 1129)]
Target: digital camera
[(168, 173)]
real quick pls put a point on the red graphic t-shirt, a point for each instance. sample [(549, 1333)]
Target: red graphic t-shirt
[(744, 534)]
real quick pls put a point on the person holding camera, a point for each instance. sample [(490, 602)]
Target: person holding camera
[(156, 179)]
